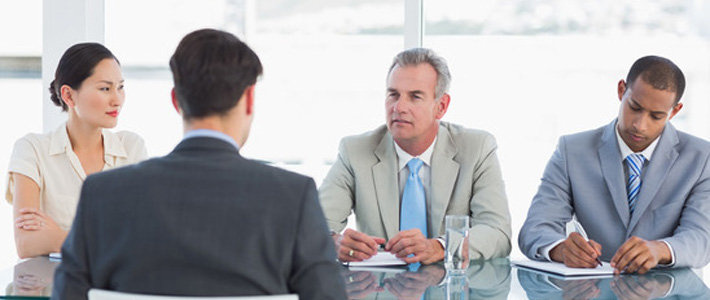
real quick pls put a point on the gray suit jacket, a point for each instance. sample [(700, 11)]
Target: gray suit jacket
[(465, 180), (585, 176), (201, 221)]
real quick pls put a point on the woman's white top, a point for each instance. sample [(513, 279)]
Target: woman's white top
[(50, 161)]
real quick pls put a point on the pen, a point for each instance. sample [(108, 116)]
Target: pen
[(578, 227)]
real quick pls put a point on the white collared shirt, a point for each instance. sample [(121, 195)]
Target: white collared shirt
[(626, 151), (49, 160), (424, 172), (212, 134)]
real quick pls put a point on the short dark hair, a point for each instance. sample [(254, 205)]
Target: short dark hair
[(76, 64), (211, 70), (659, 72)]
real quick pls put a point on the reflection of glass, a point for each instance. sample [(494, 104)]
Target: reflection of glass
[(33, 277), (457, 287), (456, 259), (489, 279)]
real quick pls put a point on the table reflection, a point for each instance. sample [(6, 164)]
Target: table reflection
[(486, 280), (32, 277), (657, 284)]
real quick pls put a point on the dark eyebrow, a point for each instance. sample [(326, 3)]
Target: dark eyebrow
[(111, 82), (655, 113)]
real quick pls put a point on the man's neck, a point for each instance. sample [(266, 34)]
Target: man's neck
[(215, 123), (415, 148)]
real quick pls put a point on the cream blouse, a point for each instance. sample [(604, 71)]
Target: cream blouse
[(49, 160)]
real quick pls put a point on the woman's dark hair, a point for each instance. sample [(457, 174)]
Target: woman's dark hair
[(77, 64)]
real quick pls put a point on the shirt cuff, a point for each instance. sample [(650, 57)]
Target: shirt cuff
[(544, 252), (442, 242), (672, 263)]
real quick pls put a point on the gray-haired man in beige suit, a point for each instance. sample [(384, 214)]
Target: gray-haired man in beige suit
[(457, 174)]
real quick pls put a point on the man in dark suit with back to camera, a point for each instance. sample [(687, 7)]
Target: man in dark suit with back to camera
[(203, 220)]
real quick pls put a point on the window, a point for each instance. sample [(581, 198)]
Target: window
[(531, 71), (325, 66), (21, 84)]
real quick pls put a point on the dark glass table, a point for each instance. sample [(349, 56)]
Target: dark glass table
[(491, 279)]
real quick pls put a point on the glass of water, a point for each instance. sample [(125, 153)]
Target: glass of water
[(456, 287), (456, 248)]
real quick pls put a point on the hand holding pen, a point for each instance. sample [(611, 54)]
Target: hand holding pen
[(577, 251), (578, 227)]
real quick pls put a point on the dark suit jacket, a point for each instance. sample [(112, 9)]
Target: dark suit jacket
[(201, 221)]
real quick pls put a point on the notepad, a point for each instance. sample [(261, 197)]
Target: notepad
[(380, 259), (560, 269)]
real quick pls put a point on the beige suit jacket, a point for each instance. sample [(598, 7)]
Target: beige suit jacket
[(465, 180)]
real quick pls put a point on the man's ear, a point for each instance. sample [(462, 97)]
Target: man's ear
[(621, 89), (176, 105), (249, 97), (675, 110), (443, 105), (67, 94)]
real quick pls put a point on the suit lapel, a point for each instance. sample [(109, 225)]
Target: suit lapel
[(660, 164), (444, 171), (384, 176), (613, 173)]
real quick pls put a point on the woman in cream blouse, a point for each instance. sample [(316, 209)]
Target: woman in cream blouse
[(47, 170)]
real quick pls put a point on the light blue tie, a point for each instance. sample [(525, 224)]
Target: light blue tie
[(413, 211), (634, 162)]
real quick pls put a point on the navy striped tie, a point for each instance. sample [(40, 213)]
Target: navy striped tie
[(634, 162)]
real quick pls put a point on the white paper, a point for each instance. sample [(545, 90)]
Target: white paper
[(55, 255), (560, 269), (379, 259)]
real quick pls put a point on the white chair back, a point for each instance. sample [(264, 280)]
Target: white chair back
[(98, 294)]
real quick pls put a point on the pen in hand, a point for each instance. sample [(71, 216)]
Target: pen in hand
[(578, 227)]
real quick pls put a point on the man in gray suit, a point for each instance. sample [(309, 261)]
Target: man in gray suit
[(203, 220), (639, 187), (457, 173)]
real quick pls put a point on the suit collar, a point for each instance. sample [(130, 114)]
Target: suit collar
[(211, 133), (444, 172), (204, 143), (656, 171), (613, 172), (384, 175)]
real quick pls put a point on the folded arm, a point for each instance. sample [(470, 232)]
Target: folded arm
[(35, 232)]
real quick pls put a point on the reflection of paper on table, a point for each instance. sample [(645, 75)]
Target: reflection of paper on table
[(560, 269), (380, 259)]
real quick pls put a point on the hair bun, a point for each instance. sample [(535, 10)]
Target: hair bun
[(56, 97)]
